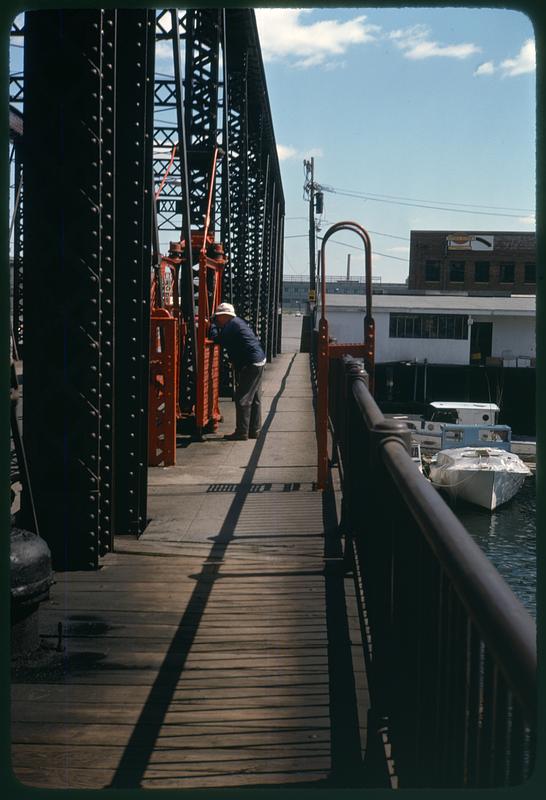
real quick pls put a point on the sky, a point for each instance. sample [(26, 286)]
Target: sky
[(417, 119)]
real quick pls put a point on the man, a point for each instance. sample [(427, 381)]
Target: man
[(245, 353)]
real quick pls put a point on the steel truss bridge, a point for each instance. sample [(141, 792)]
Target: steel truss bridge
[(120, 105), (112, 154)]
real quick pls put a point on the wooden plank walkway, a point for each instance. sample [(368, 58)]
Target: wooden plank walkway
[(199, 655)]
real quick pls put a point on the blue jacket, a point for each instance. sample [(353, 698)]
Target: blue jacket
[(242, 345)]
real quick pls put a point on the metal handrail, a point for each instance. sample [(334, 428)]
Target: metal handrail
[(433, 601), (504, 623)]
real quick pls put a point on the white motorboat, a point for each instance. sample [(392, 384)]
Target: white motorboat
[(486, 476)]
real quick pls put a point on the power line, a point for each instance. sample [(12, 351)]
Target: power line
[(290, 264), (360, 249), (376, 233), (352, 246), (419, 205), (369, 195)]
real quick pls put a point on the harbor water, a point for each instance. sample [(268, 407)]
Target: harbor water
[(508, 537)]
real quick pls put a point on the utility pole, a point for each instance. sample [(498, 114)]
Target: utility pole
[(310, 188), (313, 192), (348, 266)]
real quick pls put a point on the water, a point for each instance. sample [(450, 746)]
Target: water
[(508, 537)]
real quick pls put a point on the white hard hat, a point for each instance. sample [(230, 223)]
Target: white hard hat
[(225, 308)]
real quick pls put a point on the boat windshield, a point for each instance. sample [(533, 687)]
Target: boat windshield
[(448, 415)]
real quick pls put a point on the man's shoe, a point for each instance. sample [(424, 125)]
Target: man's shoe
[(253, 435), (236, 437)]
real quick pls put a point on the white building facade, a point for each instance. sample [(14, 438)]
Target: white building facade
[(443, 329)]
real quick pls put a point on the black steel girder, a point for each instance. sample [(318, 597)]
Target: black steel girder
[(135, 60), (88, 225), (255, 182), (63, 280)]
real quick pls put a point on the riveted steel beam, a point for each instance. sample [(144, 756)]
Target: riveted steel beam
[(18, 247), (106, 123), (135, 58), (63, 280), (255, 184)]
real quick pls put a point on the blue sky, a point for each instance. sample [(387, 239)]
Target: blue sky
[(423, 107), (426, 107)]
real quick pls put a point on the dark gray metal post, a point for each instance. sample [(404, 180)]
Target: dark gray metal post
[(133, 263), (63, 260)]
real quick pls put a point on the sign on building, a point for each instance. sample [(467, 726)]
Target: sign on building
[(469, 241)]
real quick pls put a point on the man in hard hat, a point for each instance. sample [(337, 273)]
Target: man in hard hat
[(245, 353)]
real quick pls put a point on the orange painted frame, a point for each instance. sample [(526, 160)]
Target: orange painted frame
[(162, 389)]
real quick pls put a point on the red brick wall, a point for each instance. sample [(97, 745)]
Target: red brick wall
[(517, 248)]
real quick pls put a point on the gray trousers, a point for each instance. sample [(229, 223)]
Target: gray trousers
[(248, 403)]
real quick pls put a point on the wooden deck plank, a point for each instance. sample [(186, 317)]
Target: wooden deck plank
[(98, 779), (197, 656), (180, 739), (223, 697)]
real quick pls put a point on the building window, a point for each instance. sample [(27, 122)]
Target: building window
[(428, 326), (530, 272), (432, 271), (507, 272), (481, 271), (456, 271)]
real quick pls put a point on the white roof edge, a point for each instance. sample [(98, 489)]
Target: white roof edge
[(455, 404)]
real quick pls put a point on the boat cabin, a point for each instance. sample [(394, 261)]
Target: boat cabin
[(462, 413), (497, 436), (427, 430)]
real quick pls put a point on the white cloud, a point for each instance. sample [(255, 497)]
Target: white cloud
[(162, 151), (487, 68), (164, 51), (287, 152), (530, 220), (524, 62), (416, 44), (283, 34)]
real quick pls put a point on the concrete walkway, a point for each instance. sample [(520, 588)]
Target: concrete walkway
[(215, 650)]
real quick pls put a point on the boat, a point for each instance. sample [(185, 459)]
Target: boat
[(427, 429), (483, 470), (485, 476)]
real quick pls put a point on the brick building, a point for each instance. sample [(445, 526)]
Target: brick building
[(473, 261)]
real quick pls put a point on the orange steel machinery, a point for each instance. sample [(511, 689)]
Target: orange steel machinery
[(184, 361), (204, 403), (327, 350), (165, 331)]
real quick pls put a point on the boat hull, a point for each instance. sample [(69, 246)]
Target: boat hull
[(486, 489), (481, 481)]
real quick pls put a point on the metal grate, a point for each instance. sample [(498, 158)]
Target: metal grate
[(254, 488)]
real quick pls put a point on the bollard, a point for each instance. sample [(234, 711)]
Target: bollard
[(31, 577)]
